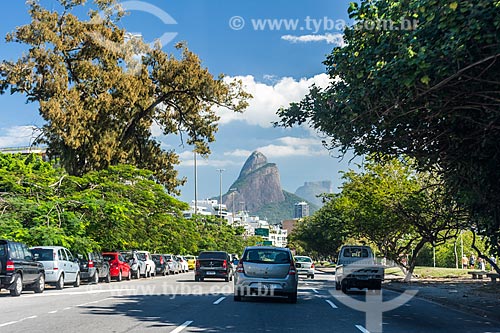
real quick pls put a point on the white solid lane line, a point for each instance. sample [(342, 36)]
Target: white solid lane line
[(331, 304), (17, 321), (362, 329), (183, 326), (219, 300), (78, 292)]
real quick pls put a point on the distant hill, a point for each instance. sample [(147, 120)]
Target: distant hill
[(310, 191), (258, 189)]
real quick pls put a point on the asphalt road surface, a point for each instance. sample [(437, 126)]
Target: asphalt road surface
[(178, 304)]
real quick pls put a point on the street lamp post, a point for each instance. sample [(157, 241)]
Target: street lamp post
[(195, 185), (233, 189), (220, 191)]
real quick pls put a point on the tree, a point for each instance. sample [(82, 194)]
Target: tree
[(100, 102), (321, 234), (427, 88)]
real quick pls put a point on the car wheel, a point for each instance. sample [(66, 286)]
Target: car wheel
[(96, 277), (60, 283), (119, 277), (197, 279), (148, 272), (18, 286), (312, 276), (129, 276), (292, 297), (337, 285), (226, 279), (39, 285), (107, 279), (77, 281), (343, 286)]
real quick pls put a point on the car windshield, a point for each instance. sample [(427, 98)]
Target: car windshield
[(141, 256), (43, 254), (271, 256), (189, 257), (303, 259)]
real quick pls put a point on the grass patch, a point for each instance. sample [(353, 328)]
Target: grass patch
[(431, 272)]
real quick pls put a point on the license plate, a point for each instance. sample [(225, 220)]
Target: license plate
[(210, 273)]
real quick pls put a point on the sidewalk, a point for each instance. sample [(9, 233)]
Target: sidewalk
[(480, 297)]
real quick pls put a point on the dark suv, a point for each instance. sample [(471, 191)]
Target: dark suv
[(93, 267), (18, 269), (213, 264)]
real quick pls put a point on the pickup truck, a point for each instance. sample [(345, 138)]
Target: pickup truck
[(356, 268), (213, 264)]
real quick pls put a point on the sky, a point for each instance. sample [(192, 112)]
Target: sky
[(275, 47)]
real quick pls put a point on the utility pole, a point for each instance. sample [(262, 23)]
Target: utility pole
[(220, 190), (233, 189), (195, 185)]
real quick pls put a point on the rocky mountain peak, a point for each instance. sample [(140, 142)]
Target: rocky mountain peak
[(254, 162)]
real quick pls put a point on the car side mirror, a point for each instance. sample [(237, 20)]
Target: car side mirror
[(298, 265)]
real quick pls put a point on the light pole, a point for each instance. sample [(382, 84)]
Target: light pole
[(234, 190), (220, 190), (195, 185)]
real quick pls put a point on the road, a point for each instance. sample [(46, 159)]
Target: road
[(178, 304)]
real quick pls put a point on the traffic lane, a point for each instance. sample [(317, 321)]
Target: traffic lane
[(150, 306), (195, 307), (21, 311), (420, 315)]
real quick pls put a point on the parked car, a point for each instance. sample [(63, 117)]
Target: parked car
[(305, 266), (173, 265), (266, 271), (137, 267), (183, 264), (61, 267), (191, 261), (18, 269), (161, 264), (93, 267), (213, 264), (145, 256), (118, 266)]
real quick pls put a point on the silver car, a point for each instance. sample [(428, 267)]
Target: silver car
[(305, 266), (266, 271), (60, 266)]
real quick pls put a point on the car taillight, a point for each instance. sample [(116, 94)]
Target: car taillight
[(292, 270), (224, 264), (90, 264), (10, 266), (240, 268), (197, 264), (161, 261), (312, 265)]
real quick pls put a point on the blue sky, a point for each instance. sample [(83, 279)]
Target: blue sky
[(276, 63)]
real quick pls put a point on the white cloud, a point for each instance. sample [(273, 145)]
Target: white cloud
[(286, 147), (336, 39), (187, 160), (17, 136), (267, 99)]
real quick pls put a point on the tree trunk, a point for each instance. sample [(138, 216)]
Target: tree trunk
[(413, 260)]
